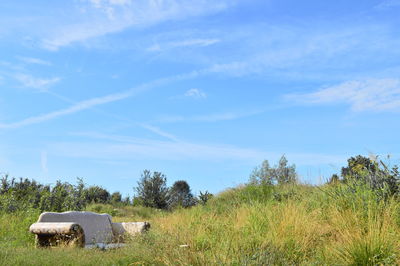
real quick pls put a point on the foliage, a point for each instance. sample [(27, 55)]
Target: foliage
[(347, 222), (280, 174), (376, 174), (116, 197), (24, 194), (205, 197), (63, 196), (248, 225), (97, 194), (180, 195), (152, 190)]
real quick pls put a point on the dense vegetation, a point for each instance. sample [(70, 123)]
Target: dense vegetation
[(354, 219), (152, 191)]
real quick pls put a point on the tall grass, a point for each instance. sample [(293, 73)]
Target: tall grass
[(338, 224)]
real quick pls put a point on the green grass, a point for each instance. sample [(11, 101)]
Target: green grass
[(249, 225)]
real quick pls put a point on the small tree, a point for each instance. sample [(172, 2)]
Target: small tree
[(284, 173), (97, 194), (280, 174), (262, 174), (152, 190), (205, 197), (358, 167), (116, 197), (373, 172), (180, 195)]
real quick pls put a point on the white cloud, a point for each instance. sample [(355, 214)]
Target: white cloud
[(109, 6), (195, 93), (109, 3), (160, 132), (367, 95), (185, 43), (224, 116), (115, 147), (36, 83), (117, 15), (145, 148), (32, 60), (216, 117), (312, 52), (388, 4)]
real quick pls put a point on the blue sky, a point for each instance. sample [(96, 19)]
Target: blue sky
[(199, 90)]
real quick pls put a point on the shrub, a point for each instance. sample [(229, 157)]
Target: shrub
[(152, 190), (116, 197), (381, 178), (205, 197), (280, 174), (97, 194), (180, 195)]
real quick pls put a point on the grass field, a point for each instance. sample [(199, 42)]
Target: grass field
[(249, 225)]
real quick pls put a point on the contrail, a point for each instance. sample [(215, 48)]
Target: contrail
[(90, 103)]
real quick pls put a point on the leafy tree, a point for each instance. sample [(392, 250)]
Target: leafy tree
[(180, 195), (97, 194), (116, 197), (152, 190), (280, 174), (373, 172), (262, 174), (61, 198), (357, 167), (285, 173), (24, 194)]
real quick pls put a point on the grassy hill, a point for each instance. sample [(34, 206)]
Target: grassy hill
[(336, 224)]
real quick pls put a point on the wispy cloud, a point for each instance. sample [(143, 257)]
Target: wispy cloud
[(195, 93), (216, 117), (93, 102), (32, 60), (366, 95), (160, 132), (30, 81), (306, 51), (118, 15), (115, 147), (121, 147), (185, 43), (225, 116), (71, 110), (388, 4)]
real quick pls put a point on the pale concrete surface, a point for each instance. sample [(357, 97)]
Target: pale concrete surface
[(97, 227)]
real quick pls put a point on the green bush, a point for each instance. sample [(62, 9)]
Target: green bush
[(24, 194), (152, 190)]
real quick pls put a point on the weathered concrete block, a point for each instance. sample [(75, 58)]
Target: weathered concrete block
[(82, 229), (97, 227), (130, 229), (67, 234)]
